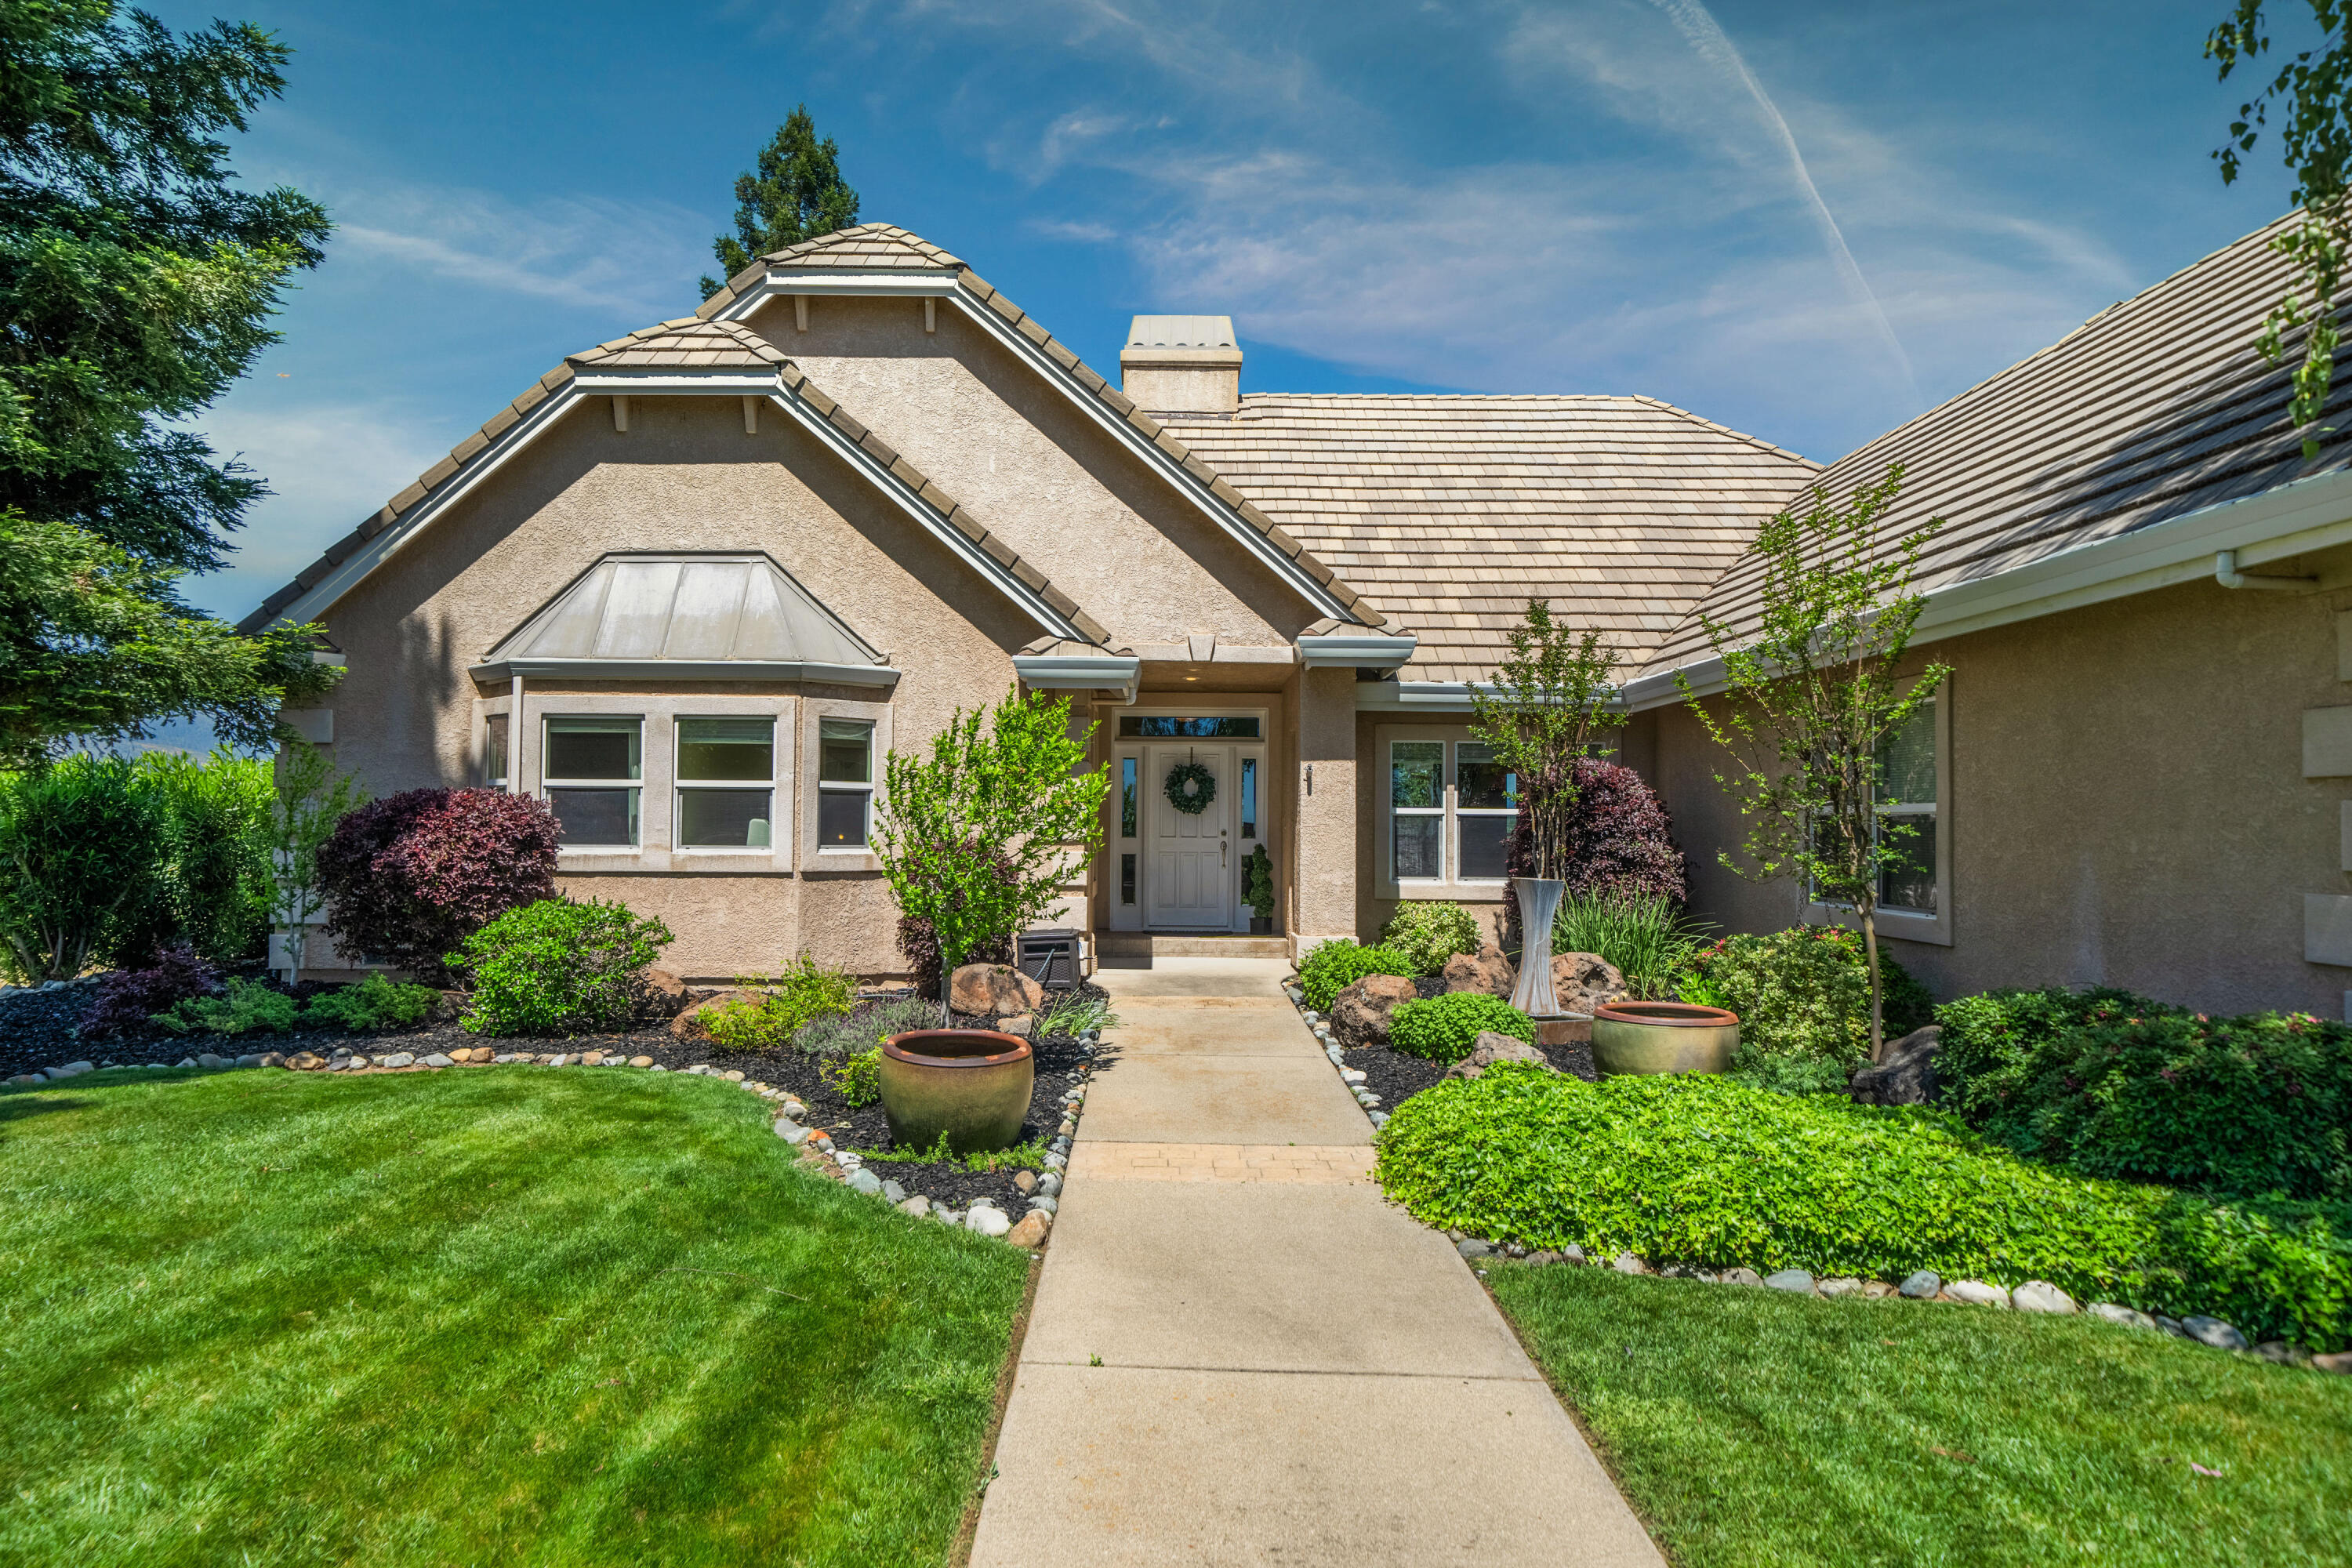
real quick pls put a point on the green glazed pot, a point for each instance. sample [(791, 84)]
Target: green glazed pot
[(1663, 1037), (972, 1084)]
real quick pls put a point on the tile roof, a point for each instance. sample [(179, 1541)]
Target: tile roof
[(2155, 406), (687, 343), (1452, 511), (873, 246)]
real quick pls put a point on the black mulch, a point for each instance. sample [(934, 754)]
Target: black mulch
[(37, 1031), (1396, 1076)]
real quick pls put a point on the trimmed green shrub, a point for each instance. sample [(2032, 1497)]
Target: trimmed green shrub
[(1429, 932), (858, 1079), (807, 990), (244, 1007), (1646, 937), (2116, 1085), (842, 1035), (213, 880), (558, 968), (1445, 1029), (78, 857), (1338, 963), (1690, 1168), (1802, 994), (375, 1002)]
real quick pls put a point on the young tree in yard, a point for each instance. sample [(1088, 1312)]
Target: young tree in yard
[(308, 799), (1548, 705), (980, 834), (1809, 698), (796, 194)]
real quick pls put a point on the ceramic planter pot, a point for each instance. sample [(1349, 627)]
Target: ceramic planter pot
[(973, 1085), (1538, 901), (1663, 1037), (1261, 925)]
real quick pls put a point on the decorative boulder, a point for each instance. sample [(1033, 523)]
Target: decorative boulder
[(995, 989), (1583, 980), (688, 1024), (1491, 1047), (1360, 1015), (1488, 973), (664, 991), (1907, 1076)]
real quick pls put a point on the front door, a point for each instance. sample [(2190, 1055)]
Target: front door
[(1190, 881)]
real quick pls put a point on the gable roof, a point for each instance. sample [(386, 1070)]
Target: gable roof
[(2156, 407), (884, 248), (679, 352), (1453, 511)]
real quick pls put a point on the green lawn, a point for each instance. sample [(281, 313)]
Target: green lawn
[(1753, 1427), (498, 1315)]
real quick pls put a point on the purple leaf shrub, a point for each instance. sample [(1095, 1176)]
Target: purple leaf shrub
[(409, 877), (128, 997), (1621, 839)]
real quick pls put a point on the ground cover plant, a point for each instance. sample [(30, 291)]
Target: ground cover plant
[(1428, 932), (2118, 1085), (1751, 1426), (472, 1316), (1804, 999), (1692, 1169), (1338, 963), (1445, 1029), (557, 968)]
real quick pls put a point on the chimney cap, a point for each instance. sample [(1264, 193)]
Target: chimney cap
[(1181, 332)]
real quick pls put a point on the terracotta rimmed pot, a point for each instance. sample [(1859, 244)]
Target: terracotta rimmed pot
[(972, 1085), (1663, 1037)]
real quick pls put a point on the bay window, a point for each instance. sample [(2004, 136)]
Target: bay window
[(595, 770), (726, 784), (845, 805)]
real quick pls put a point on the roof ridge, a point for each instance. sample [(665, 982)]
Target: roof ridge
[(1756, 441)]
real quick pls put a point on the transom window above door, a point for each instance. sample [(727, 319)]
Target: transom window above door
[(1171, 727)]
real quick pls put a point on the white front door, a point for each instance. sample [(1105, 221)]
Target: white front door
[(1189, 880)]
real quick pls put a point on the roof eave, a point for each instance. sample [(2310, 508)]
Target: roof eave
[(686, 669)]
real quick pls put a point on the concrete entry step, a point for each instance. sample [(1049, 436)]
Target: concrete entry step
[(1112, 946)]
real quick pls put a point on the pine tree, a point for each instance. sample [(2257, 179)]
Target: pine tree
[(796, 194)]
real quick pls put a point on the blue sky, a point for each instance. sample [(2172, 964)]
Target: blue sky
[(1583, 197)]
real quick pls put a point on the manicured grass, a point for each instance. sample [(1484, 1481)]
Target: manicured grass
[(498, 1315), (1749, 1426)]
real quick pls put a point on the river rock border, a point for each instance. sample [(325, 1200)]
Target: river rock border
[(1353, 1077)]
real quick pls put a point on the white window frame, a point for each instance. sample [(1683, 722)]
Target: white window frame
[(680, 784), (494, 724), (637, 787), (1456, 814), (1441, 813), (815, 855), (843, 786), (1451, 884), (1910, 925)]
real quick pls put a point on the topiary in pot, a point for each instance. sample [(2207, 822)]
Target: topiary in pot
[(411, 878), (1445, 1029)]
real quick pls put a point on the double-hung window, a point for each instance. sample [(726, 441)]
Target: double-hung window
[(1452, 811), (1417, 805), (1906, 801), (844, 772), (494, 751), (594, 772), (1486, 811), (726, 784)]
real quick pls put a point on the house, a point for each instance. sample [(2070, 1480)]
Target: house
[(695, 582)]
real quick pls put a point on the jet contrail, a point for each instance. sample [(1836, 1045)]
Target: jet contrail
[(1693, 20)]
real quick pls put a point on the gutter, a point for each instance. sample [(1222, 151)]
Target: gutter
[(686, 669), (1079, 672), (1356, 650)]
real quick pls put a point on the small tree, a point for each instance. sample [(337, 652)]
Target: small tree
[(796, 194), (980, 834), (1811, 698), (1547, 706), (307, 799)]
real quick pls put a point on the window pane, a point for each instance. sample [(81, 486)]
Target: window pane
[(1417, 844), (1127, 879), (1479, 780), (726, 748), (723, 818), (594, 749), (1249, 797), (494, 751), (846, 752), (595, 815), (1417, 774), (1910, 884), (841, 816), (1150, 726), (1906, 759), (1485, 844), (1126, 799)]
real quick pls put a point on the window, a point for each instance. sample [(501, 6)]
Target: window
[(593, 766), (1417, 800), (1127, 879), (494, 751), (844, 772), (1249, 797), (1906, 796), (726, 784), (1157, 727), (1486, 811), (1127, 801)]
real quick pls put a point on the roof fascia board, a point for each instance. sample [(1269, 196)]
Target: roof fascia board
[(908, 284), (686, 669), (1105, 418), (1333, 649), (2290, 520), (679, 382), (1436, 696), (1063, 672)]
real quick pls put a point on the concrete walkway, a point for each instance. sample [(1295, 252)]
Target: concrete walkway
[(1239, 1353)]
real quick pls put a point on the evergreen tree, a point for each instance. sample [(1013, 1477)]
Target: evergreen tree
[(796, 194)]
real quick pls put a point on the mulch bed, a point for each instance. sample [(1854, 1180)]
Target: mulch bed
[(37, 1031), (1397, 1078)]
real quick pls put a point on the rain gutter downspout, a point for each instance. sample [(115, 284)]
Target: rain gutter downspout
[(2226, 572)]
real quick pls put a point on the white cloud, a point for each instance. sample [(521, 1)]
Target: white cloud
[(624, 258)]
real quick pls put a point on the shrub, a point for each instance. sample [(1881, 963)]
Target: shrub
[(558, 968), (211, 851), (805, 991), (858, 1079), (1620, 839), (76, 863), (1428, 933), (129, 997), (244, 1007), (375, 1002), (1445, 1029), (411, 878), (2116, 1085), (1644, 936), (920, 943), (1338, 963), (844, 1034), (1690, 1168), (1804, 993)]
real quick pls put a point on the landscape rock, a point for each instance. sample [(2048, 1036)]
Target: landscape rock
[(2125, 1316), (690, 1025), (438, 1060), (1471, 1247), (986, 1221), (792, 1131), (1922, 1286), (250, 1059), (1876, 1289), (2041, 1296), (997, 989), (305, 1061), (917, 1206), (25, 1077), (397, 1059), (1626, 1263), (1488, 971), (1025, 1182), (1843, 1285), (664, 991), (864, 1181), (2213, 1332), (1907, 1076), (1541, 1259), (1796, 1281), (1977, 1293), (1583, 980), (1740, 1277), (1031, 1230), (206, 1060), (1572, 1253), (591, 1058), (1359, 1013), (1050, 1183), (2281, 1353), (1490, 1049), (2340, 1363), (641, 1062), (894, 1192), (1049, 1206), (273, 1059)]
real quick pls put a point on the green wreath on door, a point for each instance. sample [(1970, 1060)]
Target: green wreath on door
[(1191, 787)]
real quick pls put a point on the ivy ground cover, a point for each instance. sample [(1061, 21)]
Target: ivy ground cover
[(1752, 1427), (504, 1315)]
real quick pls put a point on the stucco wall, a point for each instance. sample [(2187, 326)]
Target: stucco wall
[(2127, 803)]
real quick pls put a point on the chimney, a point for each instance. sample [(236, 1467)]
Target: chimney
[(1181, 364)]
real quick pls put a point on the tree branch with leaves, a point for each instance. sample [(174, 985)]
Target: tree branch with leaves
[(1810, 698), (1549, 703)]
